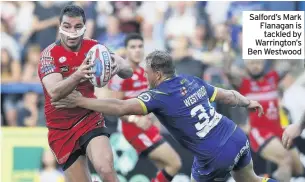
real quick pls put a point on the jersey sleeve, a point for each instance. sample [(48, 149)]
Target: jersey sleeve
[(148, 102), (47, 64), (211, 90)]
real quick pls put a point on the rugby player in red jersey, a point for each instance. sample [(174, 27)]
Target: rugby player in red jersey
[(266, 131), (138, 131), (75, 134)]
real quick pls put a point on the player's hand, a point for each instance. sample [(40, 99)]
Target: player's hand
[(68, 102), (143, 122), (255, 106), (290, 133), (115, 66), (83, 70)]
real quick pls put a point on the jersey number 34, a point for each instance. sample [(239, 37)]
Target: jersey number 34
[(205, 123)]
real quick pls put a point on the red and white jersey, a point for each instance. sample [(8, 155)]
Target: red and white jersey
[(265, 91), (131, 87), (56, 59)]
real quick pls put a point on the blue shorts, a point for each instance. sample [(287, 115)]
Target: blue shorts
[(235, 154)]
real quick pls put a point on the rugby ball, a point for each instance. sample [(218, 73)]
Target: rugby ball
[(101, 60)]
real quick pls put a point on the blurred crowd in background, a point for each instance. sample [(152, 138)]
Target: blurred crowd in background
[(201, 36)]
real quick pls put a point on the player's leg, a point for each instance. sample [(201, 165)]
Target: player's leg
[(274, 151), (269, 147), (167, 160), (97, 147), (76, 168), (297, 166), (243, 165), (149, 143), (100, 154), (247, 174)]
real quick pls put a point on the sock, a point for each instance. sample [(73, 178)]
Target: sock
[(162, 176), (268, 180)]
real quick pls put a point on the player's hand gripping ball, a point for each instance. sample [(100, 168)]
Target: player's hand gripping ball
[(102, 63)]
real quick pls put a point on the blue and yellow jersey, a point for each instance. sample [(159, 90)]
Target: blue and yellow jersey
[(182, 104)]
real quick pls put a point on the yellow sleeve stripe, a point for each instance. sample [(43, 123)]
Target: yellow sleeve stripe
[(214, 95), (265, 179), (143, 106)]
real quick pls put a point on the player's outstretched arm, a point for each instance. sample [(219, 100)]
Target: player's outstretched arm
[(106, 106), (58, 88), (235, 99), (123, 68)]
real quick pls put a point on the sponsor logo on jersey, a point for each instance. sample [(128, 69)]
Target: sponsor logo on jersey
[(47, 65), (46, 69), (46, 58), (137, 84), (145, 97), (135, 77), (62, 59), (64, 69)]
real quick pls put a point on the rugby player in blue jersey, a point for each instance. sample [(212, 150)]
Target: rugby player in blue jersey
[(182, 105)]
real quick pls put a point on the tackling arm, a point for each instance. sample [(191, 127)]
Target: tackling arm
[(119, 95), (113, 106)]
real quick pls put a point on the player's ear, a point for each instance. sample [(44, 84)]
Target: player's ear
[(159, 75)]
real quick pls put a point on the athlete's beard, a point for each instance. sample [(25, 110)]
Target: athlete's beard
[(64, 40), (256, 76)]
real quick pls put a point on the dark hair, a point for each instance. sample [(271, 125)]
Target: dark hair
[(72, 11), (132, 36), (161, 61)]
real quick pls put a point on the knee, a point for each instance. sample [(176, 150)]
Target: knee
[(176, 164), (105, 169), (285, 160), (298, 168)]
